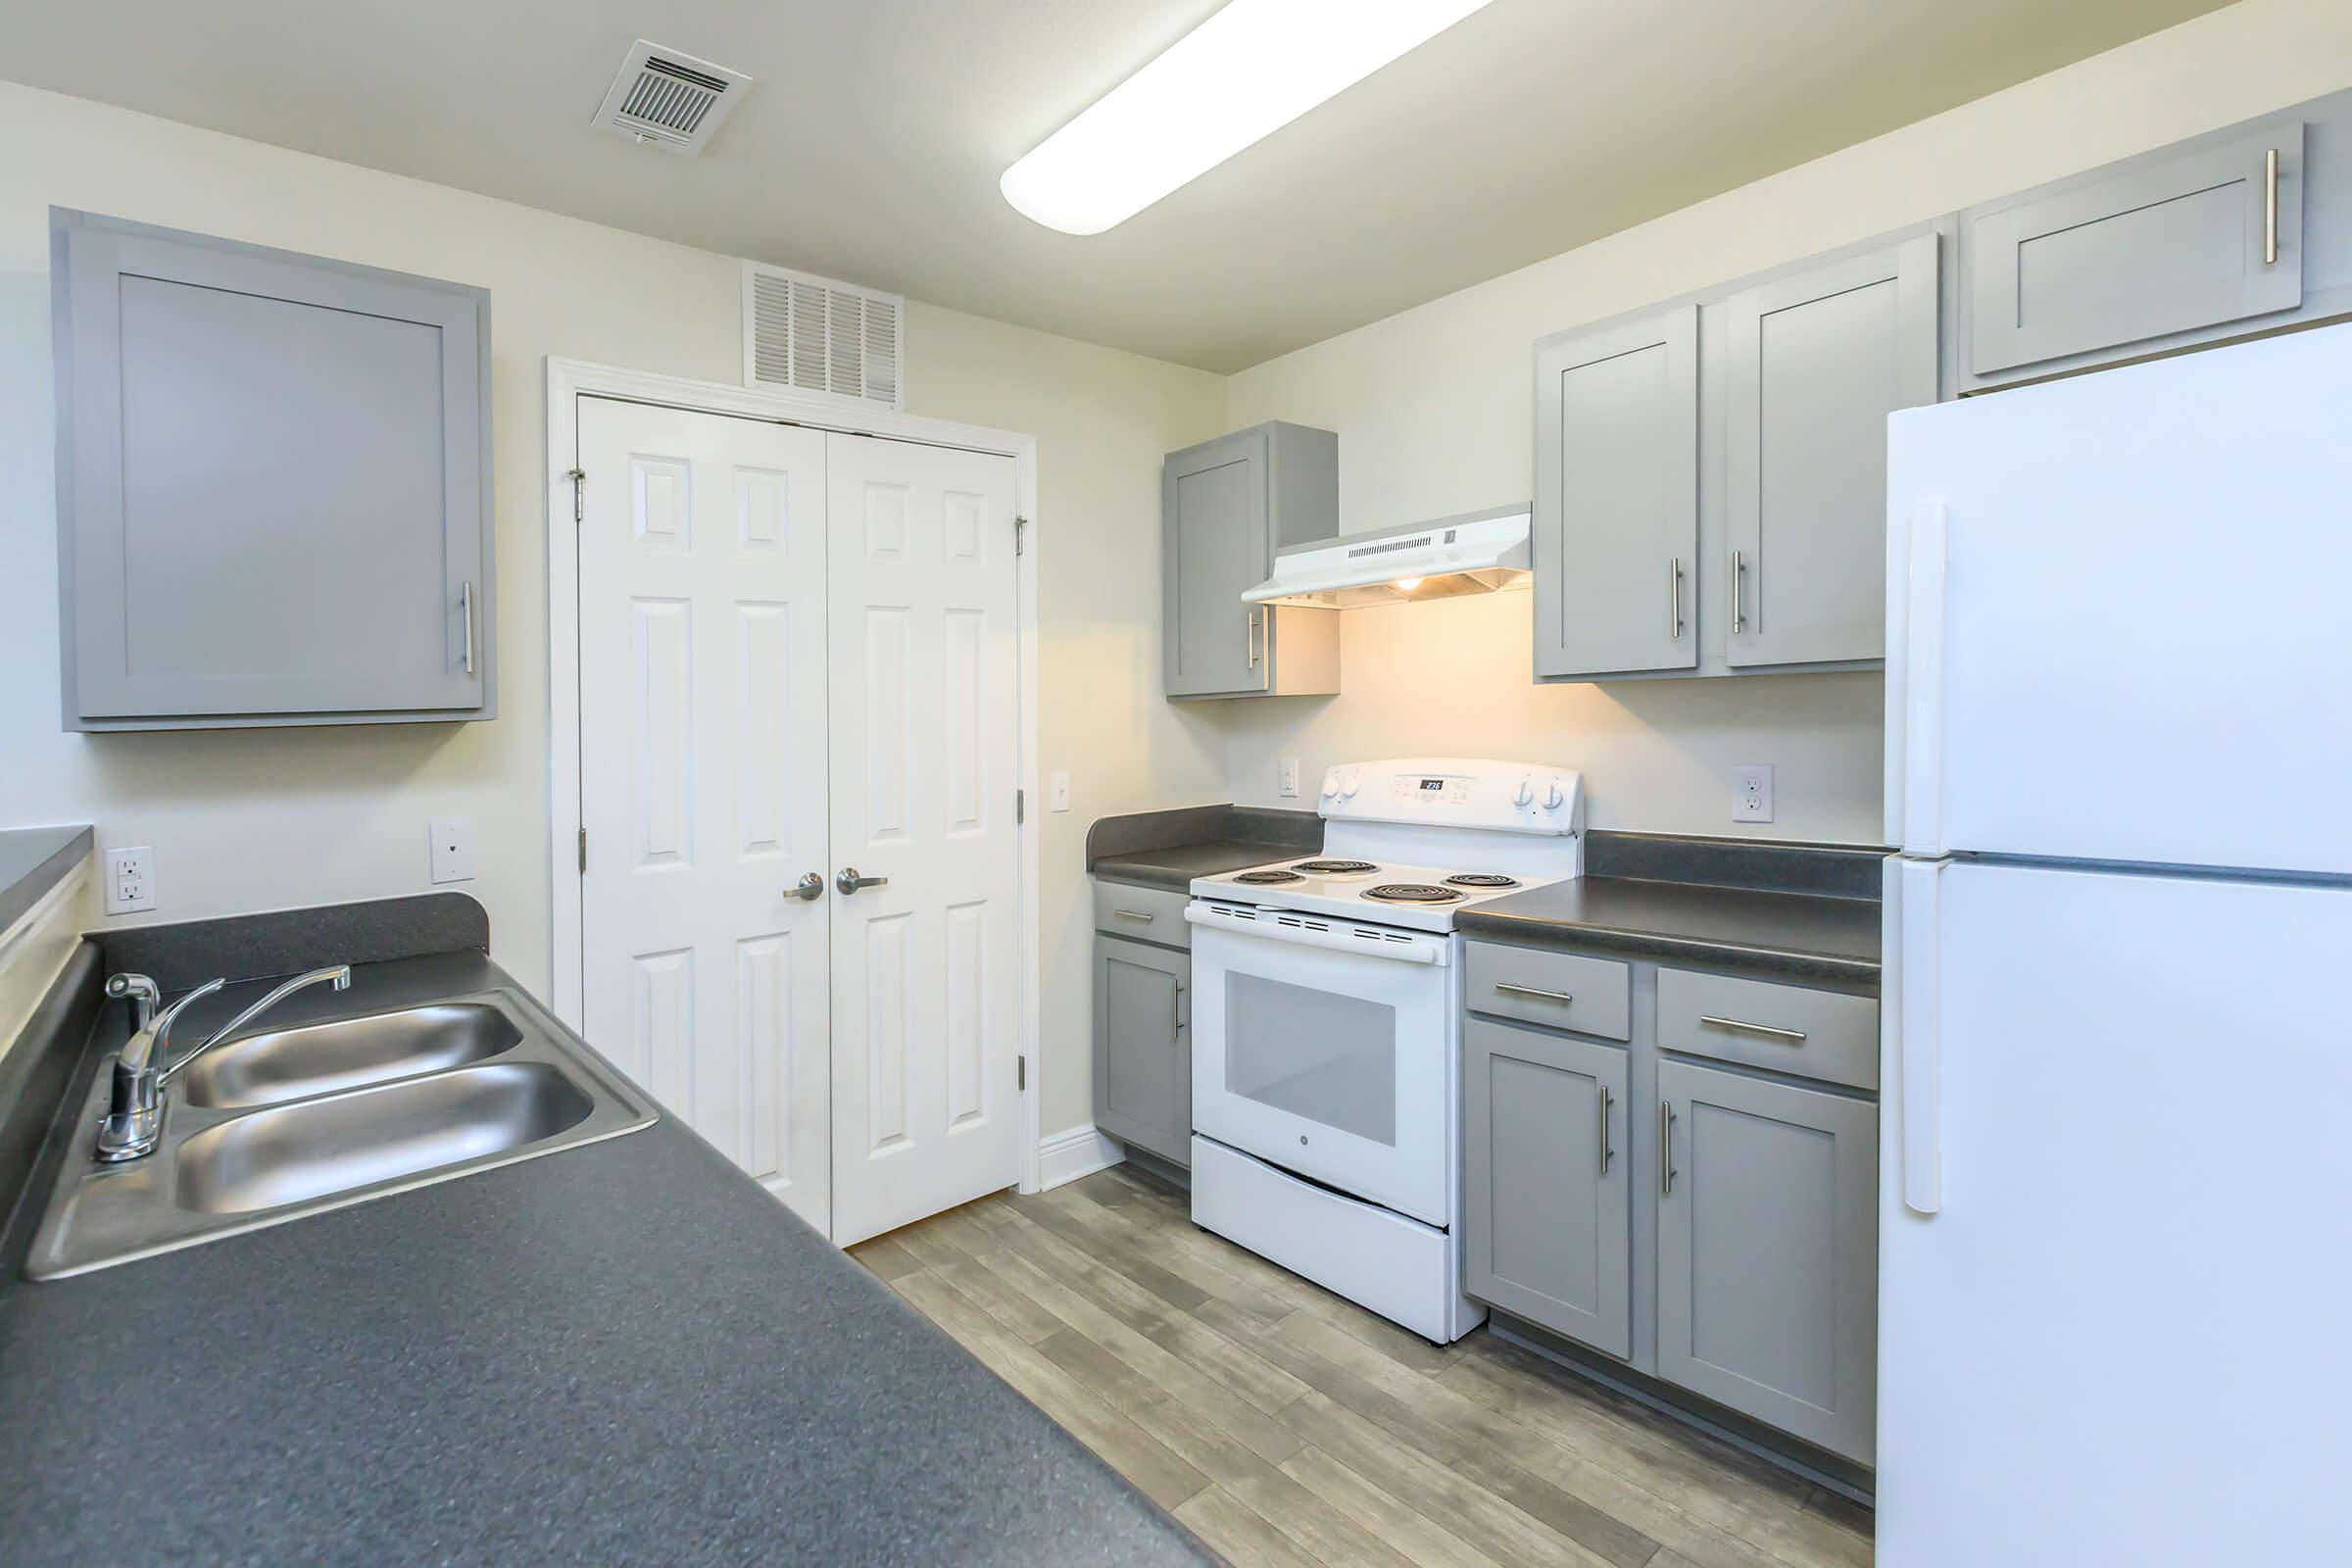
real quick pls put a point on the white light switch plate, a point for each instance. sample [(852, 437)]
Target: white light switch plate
[(453, 849), (1057, 793), (130, 880), (1288, 786), (1751, 793)]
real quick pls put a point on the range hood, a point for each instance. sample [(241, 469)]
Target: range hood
[(1476, 553)]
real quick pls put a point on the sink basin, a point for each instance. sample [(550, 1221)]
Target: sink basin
[(344, 1142), (266, 1069), (293, 1122)]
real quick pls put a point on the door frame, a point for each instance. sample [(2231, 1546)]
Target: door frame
[(571, 379)]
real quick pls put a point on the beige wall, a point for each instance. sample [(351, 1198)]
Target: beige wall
[(258, 819), (1432, 405)]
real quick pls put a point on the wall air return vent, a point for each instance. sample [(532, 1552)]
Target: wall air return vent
[(668, 99), (812, 334)]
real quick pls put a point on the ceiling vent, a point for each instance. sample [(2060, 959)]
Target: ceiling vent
[(669, 99), (812, 334)]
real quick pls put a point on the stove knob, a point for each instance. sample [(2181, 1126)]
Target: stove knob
[(1331, 785), (1348, 788), (1526, 795), (1553, 800)]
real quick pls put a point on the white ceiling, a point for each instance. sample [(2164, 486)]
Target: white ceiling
[(870, 143)]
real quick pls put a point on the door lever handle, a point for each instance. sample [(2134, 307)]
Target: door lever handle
[(849, 881), (809, 886)]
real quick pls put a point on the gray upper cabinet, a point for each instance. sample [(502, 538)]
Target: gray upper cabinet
[(273, 485), (1226, 506), (1616, 515), (1813, 363), (2194, 239), (1546, 1183), (1767, 1250), (1143, 1047)]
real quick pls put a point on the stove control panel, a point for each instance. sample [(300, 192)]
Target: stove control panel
[(1513, 797)]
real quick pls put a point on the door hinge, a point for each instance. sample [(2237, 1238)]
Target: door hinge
[(1020, 1072), (579, 482), (583, 851), (1020, 805), (1020, 534)]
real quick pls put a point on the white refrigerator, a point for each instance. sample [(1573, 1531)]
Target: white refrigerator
[(2115, 1188)]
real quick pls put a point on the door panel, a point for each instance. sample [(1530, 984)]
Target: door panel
[(1616, 527), (1768, 1253), (923, 731), (1815, 365), (703, 553), (1217, 543), (1143, 1047), (2095, 574), (1546, 1205)]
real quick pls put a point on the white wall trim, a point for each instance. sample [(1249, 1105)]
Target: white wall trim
[(1075, 1151), (568, 381)]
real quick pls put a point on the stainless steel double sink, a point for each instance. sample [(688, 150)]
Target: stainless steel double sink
[(287, 1123)]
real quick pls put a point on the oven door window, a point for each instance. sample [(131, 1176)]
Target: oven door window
[(1326, 1057)]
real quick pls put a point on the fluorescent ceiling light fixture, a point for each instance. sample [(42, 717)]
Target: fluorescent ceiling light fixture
[(1241, 75)]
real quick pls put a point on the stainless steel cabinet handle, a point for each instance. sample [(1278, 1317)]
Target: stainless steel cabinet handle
[(1134, 914), (1674, 600), (1606, 1149), (809, 886), (2270, 208), (1795, 1037), (1249, 635), (1176, 1010), (849, 881), (1739, 582), (1665, 1148), (466, 600), (1563, 998)]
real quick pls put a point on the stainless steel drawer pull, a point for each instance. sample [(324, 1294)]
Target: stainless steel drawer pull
[(1666, 1148), (1134, 914), (1606, 1149), (1562, 997), (1795, 1037), (2270, 208)]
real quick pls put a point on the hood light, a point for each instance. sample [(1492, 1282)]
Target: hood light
[(1405, 585)]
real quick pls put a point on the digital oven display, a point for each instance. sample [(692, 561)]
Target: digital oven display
[(1433, 784)]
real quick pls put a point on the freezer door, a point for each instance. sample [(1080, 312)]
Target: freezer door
[(2118, 1336), (2117, 614)]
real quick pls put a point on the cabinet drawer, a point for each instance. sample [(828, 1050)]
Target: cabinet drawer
[(1147, 914), (1591, 996), (1791, 1029)]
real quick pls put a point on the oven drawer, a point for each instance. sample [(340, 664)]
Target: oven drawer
[(1146, 915), (1590, 995), (1826, 1035)]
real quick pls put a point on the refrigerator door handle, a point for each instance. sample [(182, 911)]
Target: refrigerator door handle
[(1919, 1045), (1923, 701)]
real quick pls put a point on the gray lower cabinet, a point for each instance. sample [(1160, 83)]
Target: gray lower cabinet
[(1546, 1158), (1143, 1046), (1615, 535), (1226, 506), (273, 485), (1813, 363), (1767, 1250)]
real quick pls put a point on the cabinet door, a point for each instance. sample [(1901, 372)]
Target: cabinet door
[(1768, 1251), (1616, 529), (274, 489), (1546, 1190), (1813, 366), (1218, 542), (2167, 243), (1144, 1047)]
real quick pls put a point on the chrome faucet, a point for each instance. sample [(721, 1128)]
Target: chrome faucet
[(134, 1118)]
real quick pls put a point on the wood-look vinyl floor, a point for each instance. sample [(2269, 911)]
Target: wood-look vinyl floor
[(1287, 1426)]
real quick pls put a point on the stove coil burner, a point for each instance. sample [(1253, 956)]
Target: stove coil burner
[(1264, 879), (1481, 879), (1334, 867), (1411, 893)]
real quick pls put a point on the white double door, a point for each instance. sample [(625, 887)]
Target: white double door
[(798, 660)]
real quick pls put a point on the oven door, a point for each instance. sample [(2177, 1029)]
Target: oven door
[(1324, 1046)]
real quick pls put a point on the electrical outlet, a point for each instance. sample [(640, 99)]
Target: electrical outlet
[(453, 849), (130, 880), (1751, 793), (1288, 785), (1057, 793)]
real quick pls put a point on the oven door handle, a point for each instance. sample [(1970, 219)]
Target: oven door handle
[(1336, 939)]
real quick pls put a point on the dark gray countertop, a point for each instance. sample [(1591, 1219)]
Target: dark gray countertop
[(34, 860), (1168, 848), (624, 1352), (1792, 935), (1175, 867)]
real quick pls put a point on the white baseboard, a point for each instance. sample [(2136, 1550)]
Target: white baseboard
[(1074, 1152)]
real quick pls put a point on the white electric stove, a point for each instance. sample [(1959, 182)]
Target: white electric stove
[(1327, 1053)]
